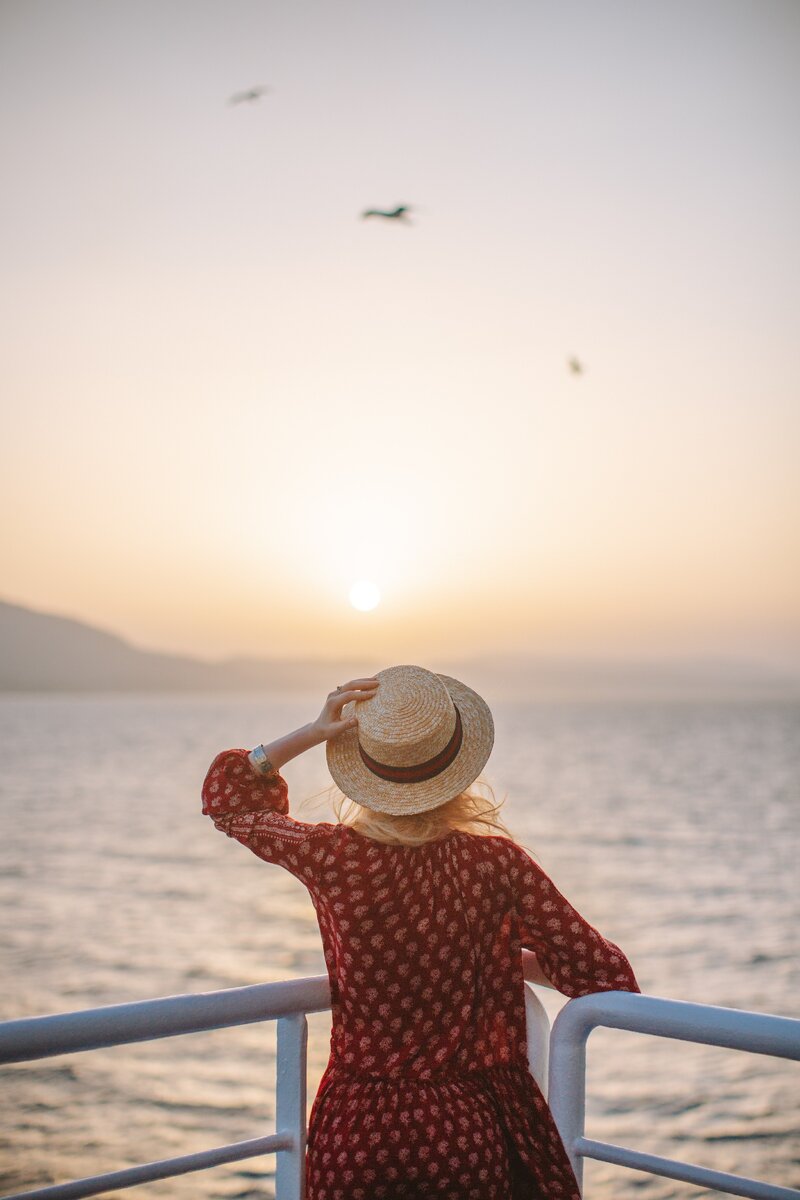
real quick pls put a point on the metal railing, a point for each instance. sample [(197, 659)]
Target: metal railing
[(729, 1027), (289, 1002), (120, 1024)]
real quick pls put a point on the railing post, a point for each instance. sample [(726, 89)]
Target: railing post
[(290, 1106), (538, 1029), (566, 1093)]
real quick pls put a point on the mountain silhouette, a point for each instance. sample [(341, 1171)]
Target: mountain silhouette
[(43, 652)]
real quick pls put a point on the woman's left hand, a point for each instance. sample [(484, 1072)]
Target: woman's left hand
[(329, 724)]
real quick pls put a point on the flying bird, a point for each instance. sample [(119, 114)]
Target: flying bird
[(575, 365), (395, 214), (253, 93)]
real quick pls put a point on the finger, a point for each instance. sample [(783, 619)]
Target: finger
[(367, 684), (354, 686), (346, 695)]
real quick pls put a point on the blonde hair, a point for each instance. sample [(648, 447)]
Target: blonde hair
[(472, 811)]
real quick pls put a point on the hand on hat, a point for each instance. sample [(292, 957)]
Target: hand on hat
[(329, 724)]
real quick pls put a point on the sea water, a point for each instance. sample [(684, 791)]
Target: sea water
[(673, 827)]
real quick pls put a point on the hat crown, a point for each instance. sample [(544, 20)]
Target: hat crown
[(410, 719)]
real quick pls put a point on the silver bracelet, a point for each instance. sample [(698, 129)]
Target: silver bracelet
[(259, 760)]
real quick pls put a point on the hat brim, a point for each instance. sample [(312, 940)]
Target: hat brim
[(354, 778)]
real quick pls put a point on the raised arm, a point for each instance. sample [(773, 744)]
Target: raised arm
[(329, 724), (247, 798)]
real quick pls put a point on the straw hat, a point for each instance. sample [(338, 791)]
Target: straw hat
[(420, 740)]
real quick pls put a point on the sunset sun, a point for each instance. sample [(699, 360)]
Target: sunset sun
[(364, 595)]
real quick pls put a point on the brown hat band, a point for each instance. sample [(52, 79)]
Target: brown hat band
[(421, 771)]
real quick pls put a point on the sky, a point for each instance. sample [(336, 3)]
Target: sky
[(226, 397)]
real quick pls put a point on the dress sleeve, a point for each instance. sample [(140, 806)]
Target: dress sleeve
[(574, 956), (254, 809)]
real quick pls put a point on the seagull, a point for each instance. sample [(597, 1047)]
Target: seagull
[(253, 93), (395, 214), (575, 365)]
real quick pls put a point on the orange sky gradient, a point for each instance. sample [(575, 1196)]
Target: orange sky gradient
[(226, 397)]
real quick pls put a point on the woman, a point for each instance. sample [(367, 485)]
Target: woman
[(424, 905)]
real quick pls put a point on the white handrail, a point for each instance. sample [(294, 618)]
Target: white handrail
[(759, 1033), (288, 1002), (146, 1020)]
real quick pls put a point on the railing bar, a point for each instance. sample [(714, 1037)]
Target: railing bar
[(730, 1028), (148, 1020), (733, 1185), (165, 1168)]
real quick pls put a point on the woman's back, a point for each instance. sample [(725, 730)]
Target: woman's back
[(418, 943)]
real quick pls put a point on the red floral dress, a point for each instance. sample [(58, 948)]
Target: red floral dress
[(427, 1091)]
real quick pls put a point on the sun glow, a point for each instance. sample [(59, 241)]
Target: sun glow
[(364, 595)]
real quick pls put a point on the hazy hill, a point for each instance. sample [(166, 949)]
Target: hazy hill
[(41, 652)]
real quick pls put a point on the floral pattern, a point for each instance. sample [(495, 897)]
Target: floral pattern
[(427, 1091)]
